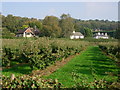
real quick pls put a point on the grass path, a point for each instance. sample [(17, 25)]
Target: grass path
[(90, 64), (17, 70)]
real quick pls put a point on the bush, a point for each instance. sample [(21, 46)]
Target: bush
[(28, 82), (98, 84), (41, 52), (114, 51)]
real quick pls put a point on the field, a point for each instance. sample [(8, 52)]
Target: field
[(93, 65)]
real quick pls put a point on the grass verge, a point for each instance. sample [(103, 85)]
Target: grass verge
[(17, 70)]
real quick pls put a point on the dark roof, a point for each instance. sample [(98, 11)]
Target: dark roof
[(36, 32), (20, 31)]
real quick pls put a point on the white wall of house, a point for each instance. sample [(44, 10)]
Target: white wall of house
[(76, 37), (72, 37), (103, 37), (82, 37), (27, 34), (24, 34)]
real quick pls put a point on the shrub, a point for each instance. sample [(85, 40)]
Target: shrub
[(41, 52), (28, 82)]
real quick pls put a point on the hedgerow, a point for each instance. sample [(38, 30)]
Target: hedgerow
[(112, 49), (28, 81), (39, 53), (36, 81)]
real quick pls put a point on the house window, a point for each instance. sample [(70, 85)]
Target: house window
[(27, 33)]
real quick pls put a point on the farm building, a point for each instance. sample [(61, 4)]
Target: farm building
[(101, 35), (76, 35), (28, 32)]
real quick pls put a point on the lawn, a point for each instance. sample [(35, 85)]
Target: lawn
[(91, 64), (17, 70)]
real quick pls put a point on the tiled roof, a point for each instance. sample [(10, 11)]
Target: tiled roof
[(28, 30)]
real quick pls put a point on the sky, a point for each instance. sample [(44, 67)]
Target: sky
[(60, 0), (78, 10)]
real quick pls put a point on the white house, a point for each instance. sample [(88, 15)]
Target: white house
[(27, 32), (76, 35), (101, 35)]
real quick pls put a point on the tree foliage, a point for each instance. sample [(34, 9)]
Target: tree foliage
[(52, 26), (67, 25), (7, 34), (87, 32), (14, 23)]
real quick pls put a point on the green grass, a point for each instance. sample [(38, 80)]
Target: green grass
[(17, 70), (13, 63), (90, 64)]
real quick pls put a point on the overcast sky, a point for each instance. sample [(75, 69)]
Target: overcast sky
[(78, 10)]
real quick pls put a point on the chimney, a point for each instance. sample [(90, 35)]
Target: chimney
[(73, 31), (105, 34), (98, 33), (35, 27)]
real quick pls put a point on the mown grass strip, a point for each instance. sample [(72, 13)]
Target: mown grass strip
[(91, 64), (17, 70)]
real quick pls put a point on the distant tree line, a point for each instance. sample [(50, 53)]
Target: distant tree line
[(52, 26)]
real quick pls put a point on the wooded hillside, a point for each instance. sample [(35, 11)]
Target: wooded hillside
[(52, 26)]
